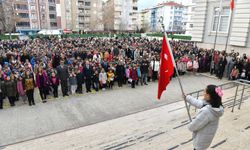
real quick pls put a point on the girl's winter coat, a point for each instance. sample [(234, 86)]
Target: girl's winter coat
[(133, 74), (205, 124), (45, 80)]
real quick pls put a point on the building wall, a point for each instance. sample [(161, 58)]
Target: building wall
[(203, 22), (121, 15)]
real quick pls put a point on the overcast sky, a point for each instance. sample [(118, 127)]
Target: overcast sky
[(142, 4)]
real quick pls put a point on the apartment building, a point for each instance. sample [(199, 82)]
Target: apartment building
[(144, 20), (206, 18), (32, 15), (82, 15), (173, 17), (120, 15)]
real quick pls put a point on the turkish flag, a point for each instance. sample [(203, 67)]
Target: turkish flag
[(166, 68), (232, 4)]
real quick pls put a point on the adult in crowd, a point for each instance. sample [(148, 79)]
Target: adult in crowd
[(10, 89), (88, 75), (63, 75)]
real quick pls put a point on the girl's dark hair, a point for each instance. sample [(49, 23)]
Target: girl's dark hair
[(215, 99)]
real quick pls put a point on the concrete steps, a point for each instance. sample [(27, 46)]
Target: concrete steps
[(160, 128)]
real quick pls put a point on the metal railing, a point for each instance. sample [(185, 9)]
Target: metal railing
[(241, 86)]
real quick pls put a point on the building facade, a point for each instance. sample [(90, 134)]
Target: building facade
[(206, 20), (120, 15), (32, 15), (190, 12), (82, 15), (173, 14)]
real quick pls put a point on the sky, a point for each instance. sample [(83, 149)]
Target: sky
[(142, 4)]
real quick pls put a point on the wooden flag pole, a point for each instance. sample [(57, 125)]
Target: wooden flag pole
[(175, 66)]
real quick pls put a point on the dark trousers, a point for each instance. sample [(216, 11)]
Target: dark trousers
[(1, 100), (64, 86), (88, 85), (30, 95), (43, 93), (133, 84), (79, 88), (96, 86), (154, 77), (120, 81), (12, 100), (111, 84), (55, 90)]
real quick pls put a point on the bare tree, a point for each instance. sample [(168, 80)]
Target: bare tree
[(108, 17), (8, 17)]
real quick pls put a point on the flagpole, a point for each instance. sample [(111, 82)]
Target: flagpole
[(229, 30), (216, 34), (176, 70)]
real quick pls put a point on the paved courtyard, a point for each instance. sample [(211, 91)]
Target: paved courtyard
[(25, 123)]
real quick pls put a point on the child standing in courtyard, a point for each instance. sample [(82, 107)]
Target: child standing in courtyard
[(205, 124)]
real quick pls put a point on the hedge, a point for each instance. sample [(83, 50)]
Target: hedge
[(175, 36), (7, 37)]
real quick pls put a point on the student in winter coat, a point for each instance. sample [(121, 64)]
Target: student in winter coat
[(222, 64), (120, 73), (234, 73), (103, 79), (54, 81), (133, 76), (144, 70), (195, 66), (20, 89), (96, 80), (29, 86), (42, 82), (155, 65), (72, 82), (205, 124), (138, 71), (88, 74), (10, 90), (79, 80), (111, 77)]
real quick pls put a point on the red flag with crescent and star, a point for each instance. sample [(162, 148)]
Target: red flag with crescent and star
[(232, 5), (166, 68)]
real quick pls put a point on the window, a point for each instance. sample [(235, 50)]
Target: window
[(23, 24), (52, 8), (32, 7), (135, 8), (43, 16), (87, 3), (52, 16), (53, 24), (23, 15), (52, 1), (191, 25), (42, 7), (21, 7), (171, 7), (223, 21), (33, 16)]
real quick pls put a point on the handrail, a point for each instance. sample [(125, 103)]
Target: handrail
[(237, 83)]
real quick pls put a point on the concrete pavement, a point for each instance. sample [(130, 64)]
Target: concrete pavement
[(24, 122), (160, 128)]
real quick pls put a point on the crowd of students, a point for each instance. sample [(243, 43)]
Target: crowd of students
[(97, 63)]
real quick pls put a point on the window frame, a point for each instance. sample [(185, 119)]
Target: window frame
[(219, 20)]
